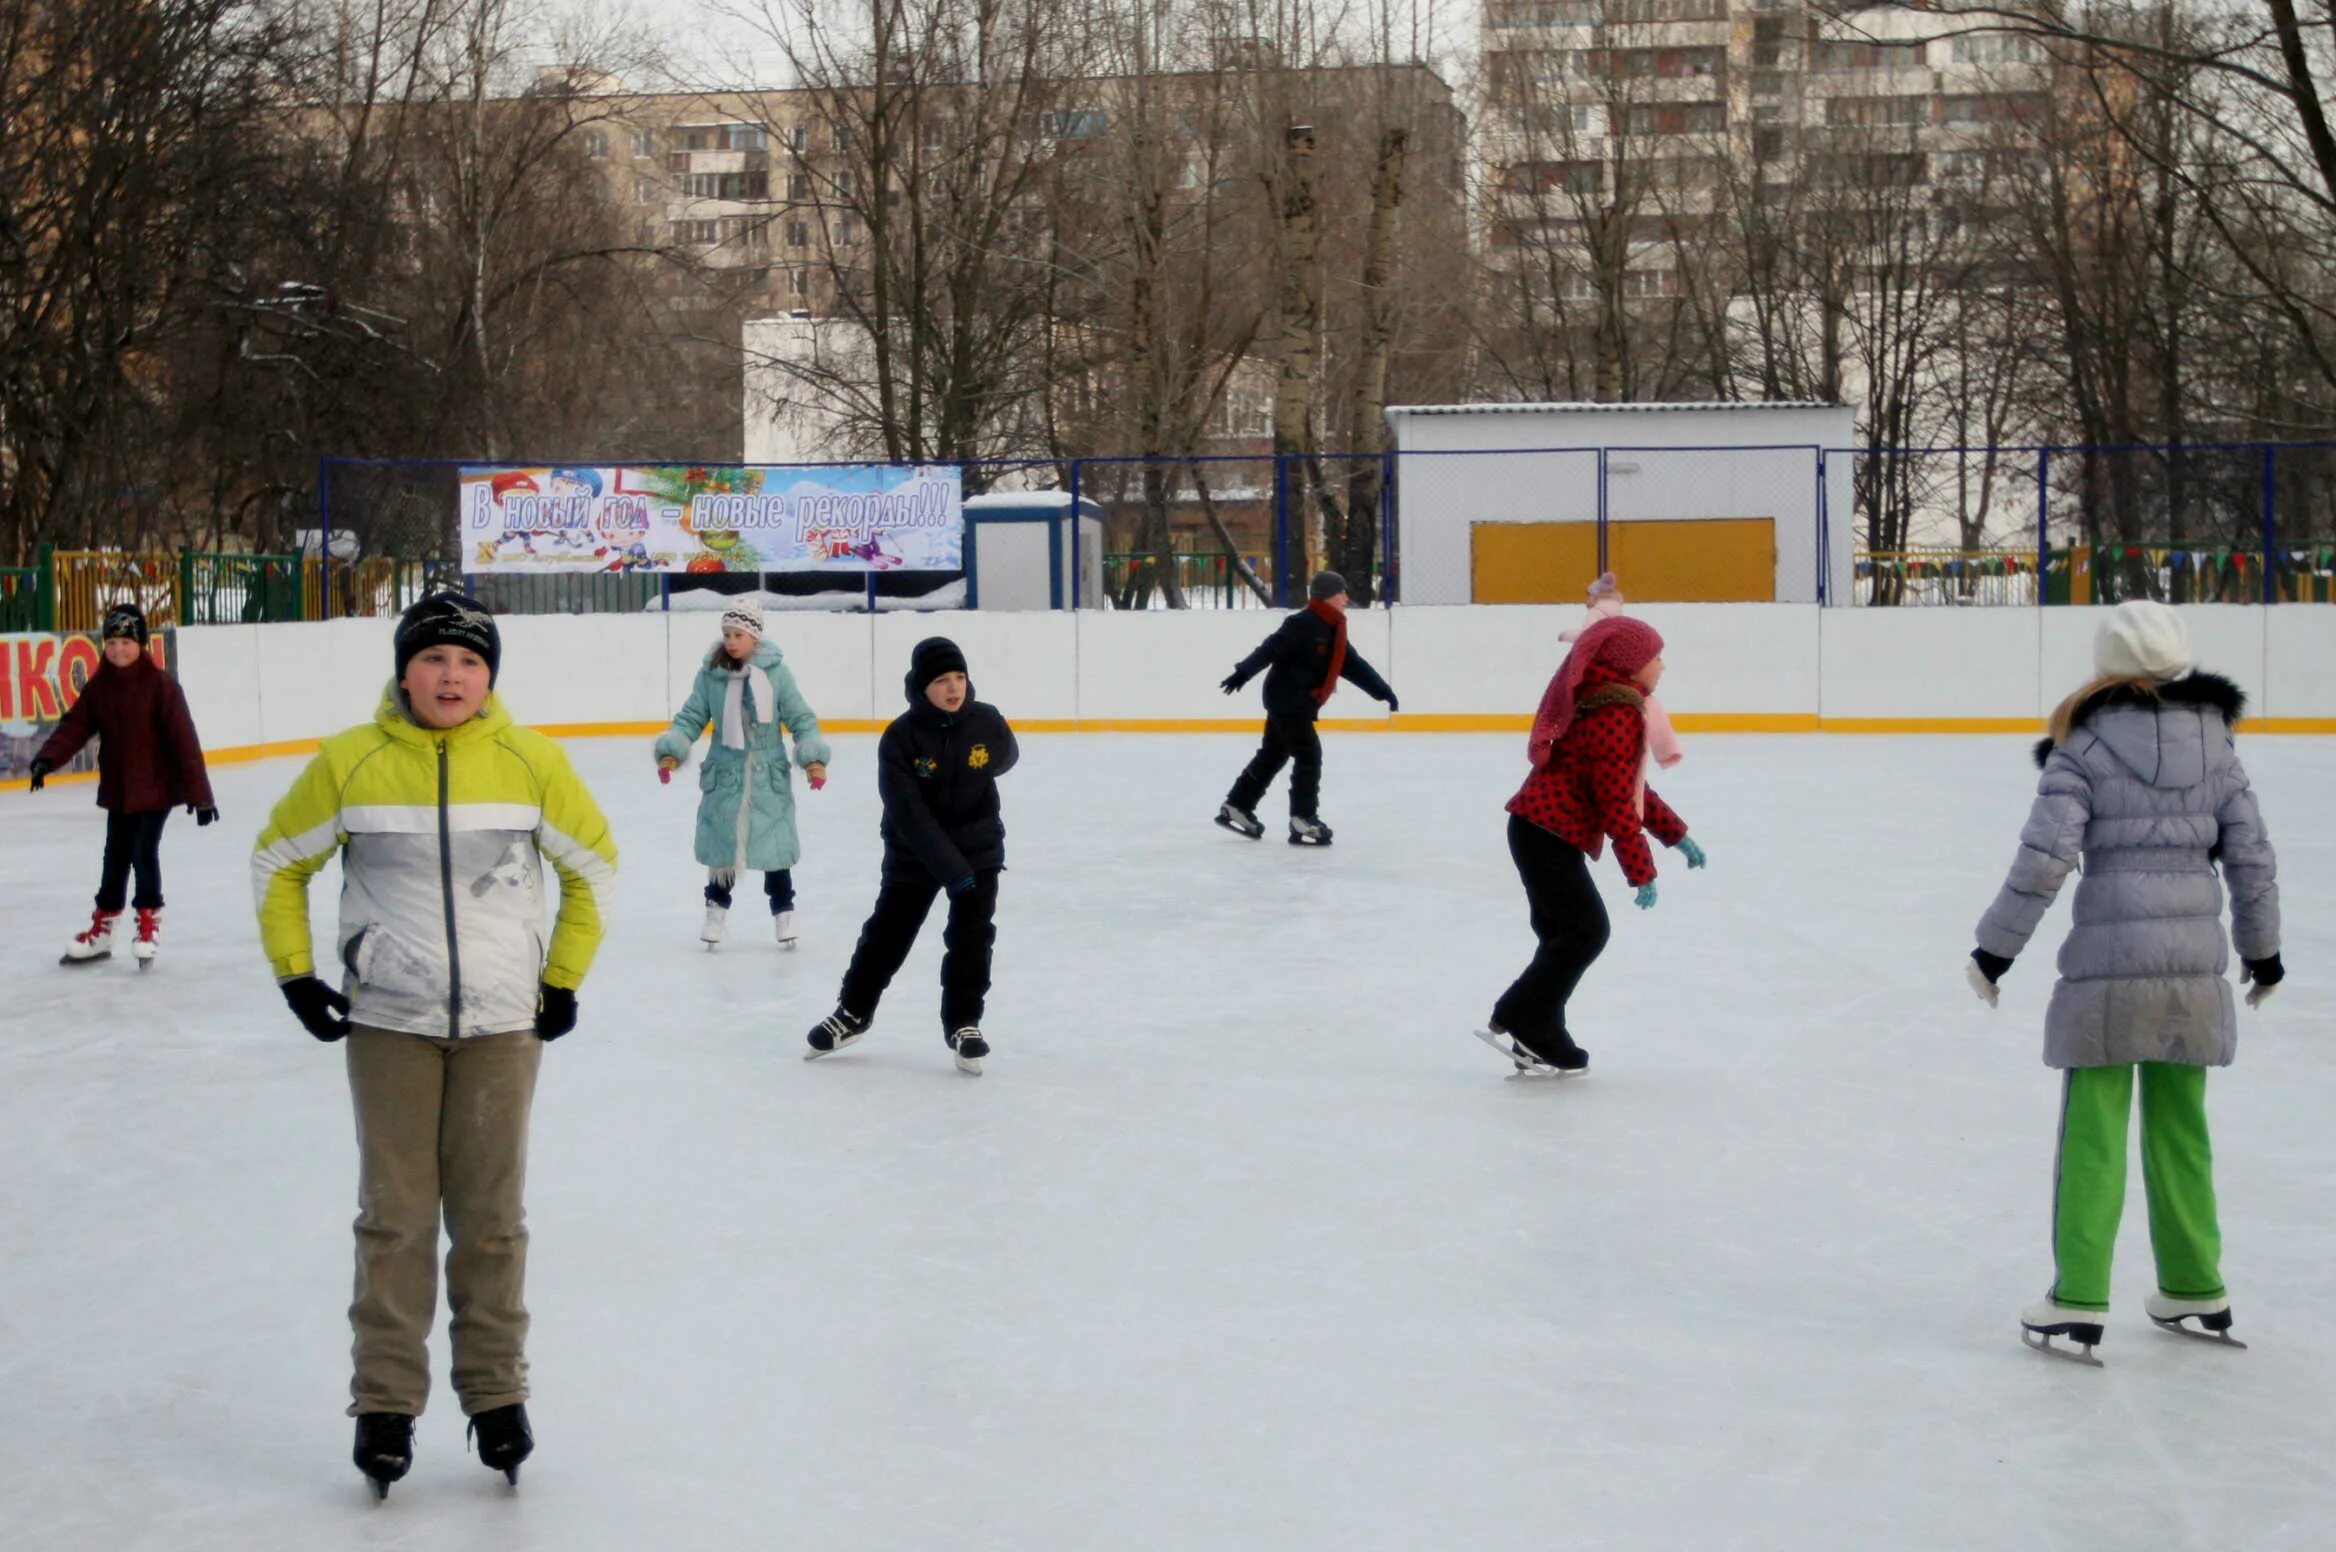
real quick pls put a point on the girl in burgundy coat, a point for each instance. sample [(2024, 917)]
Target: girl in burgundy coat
[(148, 760), (1589, 752)]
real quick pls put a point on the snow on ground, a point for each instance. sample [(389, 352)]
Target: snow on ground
[(1242, 1243)]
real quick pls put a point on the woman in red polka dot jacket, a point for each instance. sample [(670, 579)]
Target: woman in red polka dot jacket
[(1589, 752)]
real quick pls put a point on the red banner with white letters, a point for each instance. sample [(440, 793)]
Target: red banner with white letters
[(41, 676)]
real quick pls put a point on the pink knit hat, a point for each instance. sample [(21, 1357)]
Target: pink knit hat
[(1621, 643)]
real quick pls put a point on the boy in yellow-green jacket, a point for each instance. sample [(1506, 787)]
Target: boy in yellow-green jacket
[(447, 811)]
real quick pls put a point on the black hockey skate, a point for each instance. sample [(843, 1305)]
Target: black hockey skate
[(504, 1439), (2213, 1316), (970, 1048), (385, 1449), (1240, 821), (2040, 1323), (1308, 832), (832, 1033)]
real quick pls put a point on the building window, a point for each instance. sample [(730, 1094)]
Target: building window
[(1832, 54), (1077, 123), (644, 191), (840, 137), (1996, 48), (1542, 13), (729, 185), (1877, 112), (799, 138), (798, 234), (798, 282), (1552, 177), (595, 143), (845, 186), (1677, 118), (798, 186), (1991, 108), (742, 137), (708, 232), (847, 231), (644, 142)]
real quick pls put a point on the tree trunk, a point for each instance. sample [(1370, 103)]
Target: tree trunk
[(1358, 543), (1301, 323)]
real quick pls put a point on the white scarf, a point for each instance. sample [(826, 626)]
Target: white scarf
[(734, 700)]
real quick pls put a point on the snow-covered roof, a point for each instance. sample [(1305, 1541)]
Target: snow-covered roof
[(1606, 409)]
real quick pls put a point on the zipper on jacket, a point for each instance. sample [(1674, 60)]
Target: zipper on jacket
[(446, 884)]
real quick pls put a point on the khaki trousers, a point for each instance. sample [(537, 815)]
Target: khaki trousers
[(440, 1122)]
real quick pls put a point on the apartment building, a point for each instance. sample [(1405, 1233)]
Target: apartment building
[(1616, 126)]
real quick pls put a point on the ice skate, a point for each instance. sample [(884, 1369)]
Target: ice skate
[(2040, 1323), (1574, 1062), (504, 1440), (148, 942), (970, 1048), (1308, 832), (385, 1448), (783, 928), (833, 1033), (93, 943), (2213, 1317), (717, 922), (1240, 821)]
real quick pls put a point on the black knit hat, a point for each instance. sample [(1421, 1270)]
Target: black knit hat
[(449, 620), (930, 659), (1326, 584), (125, 619)]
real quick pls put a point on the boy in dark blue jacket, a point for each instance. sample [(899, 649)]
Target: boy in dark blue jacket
[(1304, 661), (937, 768)]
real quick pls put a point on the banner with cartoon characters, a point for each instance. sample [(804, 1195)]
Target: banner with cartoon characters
[(704, 517), (41, 676)]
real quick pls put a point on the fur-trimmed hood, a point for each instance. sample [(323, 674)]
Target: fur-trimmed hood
[(2210, 691)]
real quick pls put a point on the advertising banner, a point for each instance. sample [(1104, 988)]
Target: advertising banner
[(849, 518), (40, 678)]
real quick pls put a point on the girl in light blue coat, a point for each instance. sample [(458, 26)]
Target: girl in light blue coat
[(746, 811)]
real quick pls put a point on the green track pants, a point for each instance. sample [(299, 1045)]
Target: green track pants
[(2177, 1169)]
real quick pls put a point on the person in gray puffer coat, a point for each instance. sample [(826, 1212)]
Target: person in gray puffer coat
[(2143, 790)]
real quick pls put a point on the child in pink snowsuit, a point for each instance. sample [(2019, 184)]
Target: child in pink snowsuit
[(1605, 604)]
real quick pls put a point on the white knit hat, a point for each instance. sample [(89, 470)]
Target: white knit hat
[(2140, 639), (745, 617)]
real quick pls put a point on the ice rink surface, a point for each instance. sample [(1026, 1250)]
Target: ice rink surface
[(1241, 1243)]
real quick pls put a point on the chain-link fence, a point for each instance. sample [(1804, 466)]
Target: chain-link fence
[(1966, 526)]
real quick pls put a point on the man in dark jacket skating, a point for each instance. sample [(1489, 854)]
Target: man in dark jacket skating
[(1303, 662), (937, 768)]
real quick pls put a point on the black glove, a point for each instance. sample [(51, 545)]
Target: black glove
[(322, 1011), (1393, 706), (1990, 965), (960, 886), (555, 1011), (203, 816), (40, 774), (2265, 973), (1230, 684)]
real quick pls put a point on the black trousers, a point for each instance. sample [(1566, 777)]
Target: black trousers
[(1569, 920), (133, 842), (891, 931), (1286, 739), (779, 884)]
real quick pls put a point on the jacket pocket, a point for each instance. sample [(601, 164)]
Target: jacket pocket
[(354, 952)]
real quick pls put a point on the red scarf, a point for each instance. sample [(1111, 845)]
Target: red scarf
[(1331, 615)]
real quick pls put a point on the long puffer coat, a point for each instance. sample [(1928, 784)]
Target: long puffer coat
[(2150, 796), (746, 802)]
